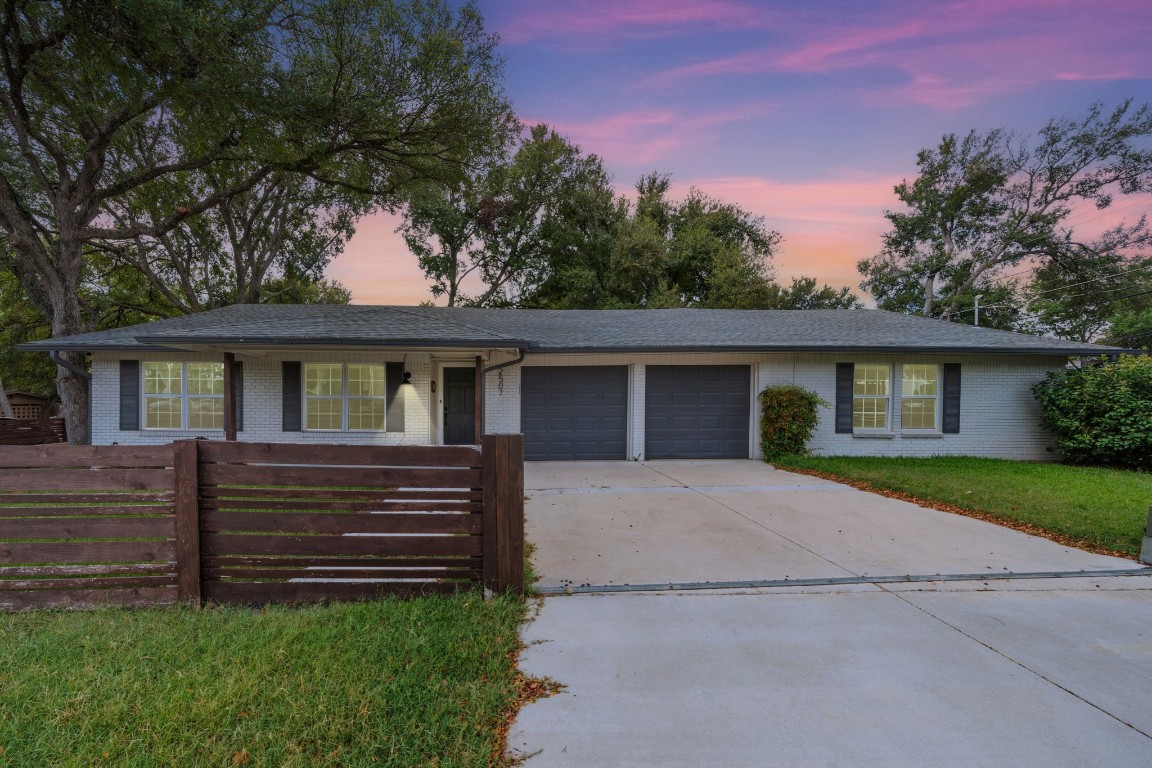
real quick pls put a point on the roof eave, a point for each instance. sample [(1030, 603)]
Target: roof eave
[(40, 346), (333, 341), (838, 349)]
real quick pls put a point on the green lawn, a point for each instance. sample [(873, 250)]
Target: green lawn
[(424, 682), (1090, 507)]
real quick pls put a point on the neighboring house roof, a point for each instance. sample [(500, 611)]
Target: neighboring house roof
[(544, 330), (26, 396)]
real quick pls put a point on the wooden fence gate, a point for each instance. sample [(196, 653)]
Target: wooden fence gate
[(257, 522)]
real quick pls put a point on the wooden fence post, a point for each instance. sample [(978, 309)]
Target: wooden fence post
[(502, 458), (478, 405), (186, 467)]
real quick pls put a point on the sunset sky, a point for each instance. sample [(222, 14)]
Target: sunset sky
[(804, 112)]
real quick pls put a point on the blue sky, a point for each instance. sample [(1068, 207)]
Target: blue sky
[(805, 113)]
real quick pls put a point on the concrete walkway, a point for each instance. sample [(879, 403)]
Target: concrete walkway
[(969, 673)]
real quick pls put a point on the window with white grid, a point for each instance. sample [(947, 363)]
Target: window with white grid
[(344, 396), (183, 395), (871, 396), (920, 397)]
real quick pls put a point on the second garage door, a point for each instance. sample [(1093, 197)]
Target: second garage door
[(697, 411), (574, 412)]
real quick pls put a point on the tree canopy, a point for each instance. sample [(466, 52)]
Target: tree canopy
[(987, 205), (191, 104), (499, 222), (539, 225)]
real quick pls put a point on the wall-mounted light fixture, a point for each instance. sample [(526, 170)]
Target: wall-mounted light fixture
[(407, 378)]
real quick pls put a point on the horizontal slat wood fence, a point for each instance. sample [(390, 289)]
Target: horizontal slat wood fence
[(257, 522), (84, 525), (32, 431)]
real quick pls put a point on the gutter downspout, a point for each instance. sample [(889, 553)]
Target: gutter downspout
[(508, 364), (484, 379)]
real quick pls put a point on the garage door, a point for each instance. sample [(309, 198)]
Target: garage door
[(574, 412), (696, 411)]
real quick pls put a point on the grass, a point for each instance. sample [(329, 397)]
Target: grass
[(423, 682), (1104, 510)]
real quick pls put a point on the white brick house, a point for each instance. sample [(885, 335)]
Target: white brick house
[(579, 384)]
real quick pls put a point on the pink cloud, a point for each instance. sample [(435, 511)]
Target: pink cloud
[(591, 21), (645, 136), (953, 54)]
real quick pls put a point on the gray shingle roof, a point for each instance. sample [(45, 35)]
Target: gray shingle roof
[(570, 331), (285, 324)]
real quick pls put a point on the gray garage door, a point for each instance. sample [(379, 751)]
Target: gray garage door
[(696, 411), (574, 412)]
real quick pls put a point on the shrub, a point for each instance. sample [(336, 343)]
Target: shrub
[(787, 419), (1101, 414)]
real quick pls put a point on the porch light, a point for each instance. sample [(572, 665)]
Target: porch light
[(407, 378)]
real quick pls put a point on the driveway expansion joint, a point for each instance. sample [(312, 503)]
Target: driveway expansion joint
[(1027, 668), (697, 586)]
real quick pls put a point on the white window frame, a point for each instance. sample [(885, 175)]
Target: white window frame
[(889, 398), (937, 406), (182, 397), (343, 397)]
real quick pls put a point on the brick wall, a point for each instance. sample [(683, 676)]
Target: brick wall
[(262, 408), (998, 415)]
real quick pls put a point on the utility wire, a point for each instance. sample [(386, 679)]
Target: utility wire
[(1074, 285), (1136, 268), (1080, 295)]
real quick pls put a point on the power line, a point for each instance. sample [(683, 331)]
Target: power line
[(1080, 295), (1074, 285), (1096, 279)]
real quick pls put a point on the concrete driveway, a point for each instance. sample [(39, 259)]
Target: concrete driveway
[(976, 672)]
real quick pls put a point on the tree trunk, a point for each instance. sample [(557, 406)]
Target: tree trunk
[(929, 295), (73, 391), (67, 320)]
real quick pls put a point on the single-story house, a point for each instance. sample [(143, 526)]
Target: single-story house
[(580, 384)]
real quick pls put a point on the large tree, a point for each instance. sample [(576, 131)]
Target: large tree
[(496, 224), (104, 103), (264, 243), (986, 205), (657, 252)]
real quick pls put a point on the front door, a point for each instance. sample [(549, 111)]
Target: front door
[(459, 406)]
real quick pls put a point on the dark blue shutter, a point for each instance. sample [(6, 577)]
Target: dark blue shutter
[(238, 388), (129, 395), (950, 419), (393, 389), (845, 372), (290, 396)]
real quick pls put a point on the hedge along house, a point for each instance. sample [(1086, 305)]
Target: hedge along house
[(580, 384)]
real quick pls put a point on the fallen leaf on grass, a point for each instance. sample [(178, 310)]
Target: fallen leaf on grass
[(531, 689), (240, 758)]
